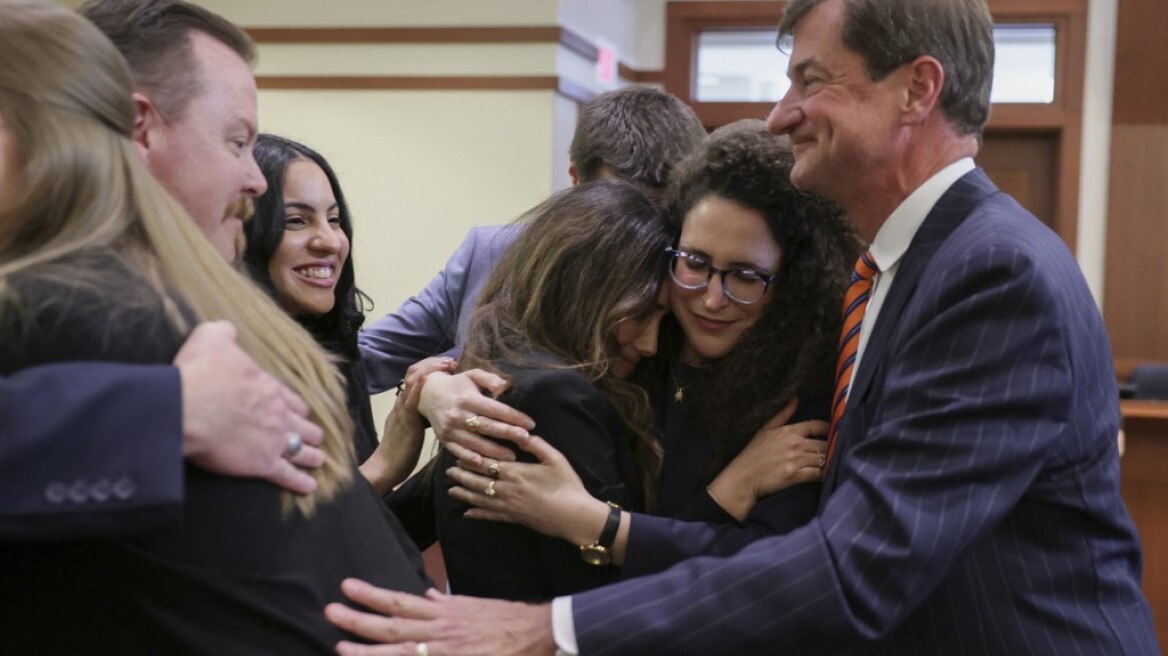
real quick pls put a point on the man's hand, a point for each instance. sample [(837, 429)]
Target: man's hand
[(237, 419), (448, 625)]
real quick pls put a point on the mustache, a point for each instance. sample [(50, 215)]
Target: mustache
[(243, 207)]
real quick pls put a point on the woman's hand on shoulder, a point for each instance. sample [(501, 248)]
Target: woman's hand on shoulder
[(402, 437), (778, 456), (547, 496), (462, 408)]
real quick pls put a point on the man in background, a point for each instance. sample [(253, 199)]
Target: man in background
[(636, 134)]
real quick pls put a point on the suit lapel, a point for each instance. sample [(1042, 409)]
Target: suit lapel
[(952, 208)]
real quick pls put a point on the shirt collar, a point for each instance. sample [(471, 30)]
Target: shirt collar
[(898, 231)]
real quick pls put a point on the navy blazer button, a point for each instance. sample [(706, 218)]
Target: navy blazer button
[(124, 488), (79, 491), (101, 490), (56, 493)]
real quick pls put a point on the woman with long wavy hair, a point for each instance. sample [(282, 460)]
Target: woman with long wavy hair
[(98, 262), (567, 315)]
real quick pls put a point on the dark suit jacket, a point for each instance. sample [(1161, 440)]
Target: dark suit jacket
[(974, 505), (507, 560), (89, 449), (434, 321)]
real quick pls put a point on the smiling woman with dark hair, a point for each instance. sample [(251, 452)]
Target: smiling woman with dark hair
[(298, 248)]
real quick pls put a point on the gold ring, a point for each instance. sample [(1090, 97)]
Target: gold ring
[(493, 470), (472, 422), (490, 491), (822, 460)]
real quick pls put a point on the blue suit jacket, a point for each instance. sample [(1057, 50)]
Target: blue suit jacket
[(974, 504), (434, 321), (89, 449)]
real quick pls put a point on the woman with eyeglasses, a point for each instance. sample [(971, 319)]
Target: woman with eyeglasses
[(757, 279)]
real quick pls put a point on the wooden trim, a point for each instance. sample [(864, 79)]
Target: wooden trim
[(520, 34), (411, 83), (562, 86), (683, 22), (640, 77), (1144, 416), (445, 35)]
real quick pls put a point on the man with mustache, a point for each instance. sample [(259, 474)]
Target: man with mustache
[(132, 426)]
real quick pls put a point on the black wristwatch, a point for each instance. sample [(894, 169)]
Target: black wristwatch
[(600, 552)]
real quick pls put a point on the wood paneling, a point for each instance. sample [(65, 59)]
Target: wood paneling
[(1024, 167), (522, 34), (1144, 483), (1136, 281), (438, 35), (407, 82), (1141, 57)]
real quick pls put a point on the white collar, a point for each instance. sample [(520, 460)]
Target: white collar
[(898, 231)]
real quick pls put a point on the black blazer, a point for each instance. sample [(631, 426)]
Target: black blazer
[(493, 559)]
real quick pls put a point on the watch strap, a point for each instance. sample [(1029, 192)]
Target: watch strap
[(611, 524)]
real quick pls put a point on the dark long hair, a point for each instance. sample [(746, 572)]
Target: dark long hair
[(790, 351), (589, 257), (336, 329)]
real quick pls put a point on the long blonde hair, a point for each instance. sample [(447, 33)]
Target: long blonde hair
[(65, 95)]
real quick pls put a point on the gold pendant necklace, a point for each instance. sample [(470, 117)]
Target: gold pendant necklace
[(679, 392)]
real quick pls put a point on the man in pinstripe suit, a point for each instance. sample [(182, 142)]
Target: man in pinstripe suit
[(973, 502)]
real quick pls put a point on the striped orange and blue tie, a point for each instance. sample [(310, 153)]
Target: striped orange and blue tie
[(855, 304)]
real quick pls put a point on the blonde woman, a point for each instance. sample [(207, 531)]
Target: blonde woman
[(97, 262)]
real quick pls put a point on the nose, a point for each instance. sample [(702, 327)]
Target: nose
[(328, 238), (785, 115), (254, 183), (712, 296)]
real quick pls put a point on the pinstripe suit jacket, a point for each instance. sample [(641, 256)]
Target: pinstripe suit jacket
[(974, 505)]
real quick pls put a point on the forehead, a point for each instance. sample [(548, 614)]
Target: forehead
[(730, 234), (816, 38), (304, 178), (227, 85)]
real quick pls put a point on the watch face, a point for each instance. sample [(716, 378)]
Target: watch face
[(594, 554)]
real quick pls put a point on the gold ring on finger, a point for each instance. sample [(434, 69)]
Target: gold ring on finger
[(472, 422), (493, 470), (490, 491)]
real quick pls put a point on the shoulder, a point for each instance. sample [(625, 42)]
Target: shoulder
[(537, 375), (87, 307), (544, 385)]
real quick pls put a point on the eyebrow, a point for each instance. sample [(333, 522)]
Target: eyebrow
[(801, 68), (300, 205), (736, 265)]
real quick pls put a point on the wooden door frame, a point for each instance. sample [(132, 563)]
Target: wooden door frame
[(1062, 118)]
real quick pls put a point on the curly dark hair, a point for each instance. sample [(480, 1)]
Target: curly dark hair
[(337, 329), (790, 352)]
